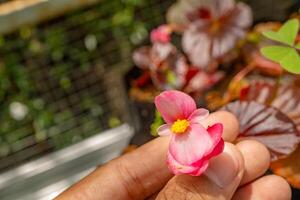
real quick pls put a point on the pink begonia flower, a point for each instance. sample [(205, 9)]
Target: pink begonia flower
[(211, 28), (191, 145), (161, 34)]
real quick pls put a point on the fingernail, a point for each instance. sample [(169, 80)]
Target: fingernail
[(225, 168)]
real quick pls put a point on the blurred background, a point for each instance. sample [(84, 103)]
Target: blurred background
[(65, 71)]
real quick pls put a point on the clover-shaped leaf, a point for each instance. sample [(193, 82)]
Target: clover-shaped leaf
[(286, 34), (286, 54), (287, 57)]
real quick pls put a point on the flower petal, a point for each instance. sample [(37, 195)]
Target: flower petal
[(194, 169), (223, 43), (190, 153), (160, 52), (217, 150), (161, 34), (200, 169), (192, 146), (141, 57), (221, 7), (215, 131), (178, 168), (184, 7), (164, 130), (197, 44), (242, 15), (174, 105), (198, 115)]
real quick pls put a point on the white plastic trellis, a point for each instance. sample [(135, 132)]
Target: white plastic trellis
[(46, 177), (15, 14)]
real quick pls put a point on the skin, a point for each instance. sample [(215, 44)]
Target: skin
[(235, 174)]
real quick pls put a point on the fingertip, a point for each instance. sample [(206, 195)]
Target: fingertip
[(257, 159), (227, 169), (236, 154), (267, 187), (280, 184)]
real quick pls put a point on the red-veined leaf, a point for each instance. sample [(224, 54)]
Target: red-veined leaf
[(267, 125), (287, 98)]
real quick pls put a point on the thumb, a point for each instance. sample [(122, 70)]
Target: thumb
[(220, 181)]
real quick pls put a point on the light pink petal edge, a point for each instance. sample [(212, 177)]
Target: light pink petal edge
[(164, 130), (215, 131), (198, 115), (194, 170)]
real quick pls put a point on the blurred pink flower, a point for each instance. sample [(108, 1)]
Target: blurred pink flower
[(211, 27), (161, 34), (163, 60), (191, 145), (203, 80)]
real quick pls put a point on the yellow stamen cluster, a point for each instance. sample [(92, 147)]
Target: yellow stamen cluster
[(180, 126)]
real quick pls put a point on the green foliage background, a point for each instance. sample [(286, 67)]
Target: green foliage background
[(94, 40)]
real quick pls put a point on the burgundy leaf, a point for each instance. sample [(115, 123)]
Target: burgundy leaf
[(287, 98), (258, 90), (267, 125)]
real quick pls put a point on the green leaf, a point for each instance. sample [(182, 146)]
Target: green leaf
[(291, 62), (158, 121), (286, 34), (275, 53), (287, 57)]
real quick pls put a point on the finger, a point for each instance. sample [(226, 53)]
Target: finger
[(141, 173), (222, 178), (257, 159), (229, 121), (267, 187)]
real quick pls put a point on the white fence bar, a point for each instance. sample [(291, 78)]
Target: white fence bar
[(18, 13)]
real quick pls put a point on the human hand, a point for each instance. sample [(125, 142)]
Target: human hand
[(143, 174)]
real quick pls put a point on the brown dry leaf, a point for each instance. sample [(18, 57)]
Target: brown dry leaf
[(289, 168)]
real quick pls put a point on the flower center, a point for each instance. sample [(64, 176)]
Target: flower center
[(215, 26), (180, 126)]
